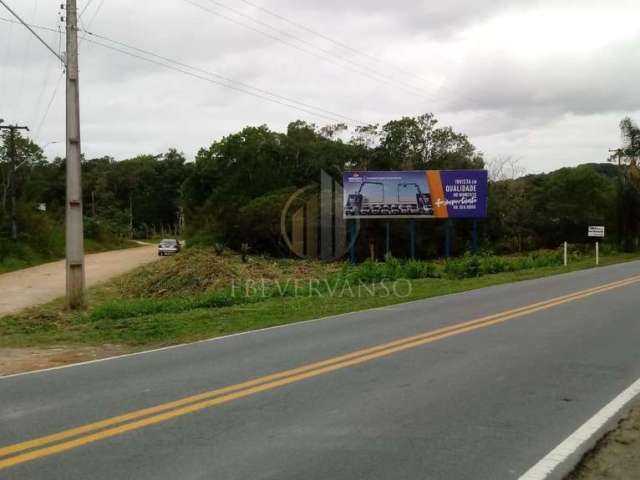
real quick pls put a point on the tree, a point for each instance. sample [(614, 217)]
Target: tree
[(628, 189), (27, 154), (505, 168), (416, 143)]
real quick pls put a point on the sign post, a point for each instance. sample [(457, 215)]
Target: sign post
[(596, 232)]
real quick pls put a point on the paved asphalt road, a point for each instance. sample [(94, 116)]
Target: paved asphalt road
[(486, 403)]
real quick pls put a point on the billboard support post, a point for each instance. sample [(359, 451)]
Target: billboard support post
[(474, 236), (388, 239), (352, 241), (412, 236)]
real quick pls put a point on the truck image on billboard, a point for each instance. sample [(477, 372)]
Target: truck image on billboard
[(415, 194)]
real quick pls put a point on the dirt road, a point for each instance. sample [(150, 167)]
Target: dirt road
[(37, 285)]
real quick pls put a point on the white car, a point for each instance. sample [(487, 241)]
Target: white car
[(169, 246)]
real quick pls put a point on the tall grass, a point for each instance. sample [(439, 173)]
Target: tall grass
[(368, 272), (468, 266)]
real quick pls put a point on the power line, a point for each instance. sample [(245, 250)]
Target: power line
[(84, 9), (226, 85), (95, 13), (225, 79), (348, 47), (28, 27), (51, 100), (25, 54), (206, 75), (45, 82), (330, 39), (5, 64), (322, 54), (43, 88)]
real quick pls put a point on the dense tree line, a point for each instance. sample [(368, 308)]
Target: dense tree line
[(235, 189), (241, 182), (136, 197)]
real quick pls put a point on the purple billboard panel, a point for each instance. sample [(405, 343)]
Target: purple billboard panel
[(465, 193), (415, 194)]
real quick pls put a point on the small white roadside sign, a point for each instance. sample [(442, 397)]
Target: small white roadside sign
[(597, 232)]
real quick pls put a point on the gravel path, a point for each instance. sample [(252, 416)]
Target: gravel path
[(41, 284)]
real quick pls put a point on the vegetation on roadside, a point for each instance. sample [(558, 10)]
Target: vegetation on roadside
[(234, 191), (201, 294)]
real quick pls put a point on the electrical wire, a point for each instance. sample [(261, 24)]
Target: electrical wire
[(321, 53), (5, 69), (226, 79), (274, 99), (84, 9), (43, 88), (45, 82), (342, 45), (95, 13), (199, 73), (306, 42), (51, 100), (26, 53), (338, 43)]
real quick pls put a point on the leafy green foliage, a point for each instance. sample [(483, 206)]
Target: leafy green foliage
[(240, 183), (469, 266)]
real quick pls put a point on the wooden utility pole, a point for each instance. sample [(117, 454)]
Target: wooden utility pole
[(12, 175), (74, 229)]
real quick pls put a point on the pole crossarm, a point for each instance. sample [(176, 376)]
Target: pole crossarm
[(26, 25)]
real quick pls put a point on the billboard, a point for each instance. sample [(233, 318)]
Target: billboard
[(415, 194)]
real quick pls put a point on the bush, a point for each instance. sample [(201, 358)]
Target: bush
[(391, 269)]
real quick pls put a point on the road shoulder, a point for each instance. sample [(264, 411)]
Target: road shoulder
[(617, 455)]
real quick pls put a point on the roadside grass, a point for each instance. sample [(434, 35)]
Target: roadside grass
[(29, 258), (159, 316)]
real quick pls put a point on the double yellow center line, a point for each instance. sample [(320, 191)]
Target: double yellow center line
[(75, 437)]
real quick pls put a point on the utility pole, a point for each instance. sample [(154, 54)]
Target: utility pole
[(12, 175), (74, 230), (74, 240)]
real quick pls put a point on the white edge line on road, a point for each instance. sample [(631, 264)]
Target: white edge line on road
[(560, 461), (302, 322)]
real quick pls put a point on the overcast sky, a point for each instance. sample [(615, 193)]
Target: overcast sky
[(546, 81)]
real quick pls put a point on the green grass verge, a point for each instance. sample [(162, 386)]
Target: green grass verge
[(155, 322)]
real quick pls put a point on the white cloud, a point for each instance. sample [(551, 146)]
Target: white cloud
[(543, 80)]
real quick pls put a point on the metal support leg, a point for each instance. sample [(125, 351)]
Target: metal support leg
[(447, 240), (474, 236), (388, 239), (412, 236), (352, 241)]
